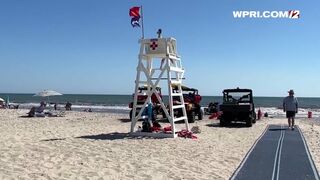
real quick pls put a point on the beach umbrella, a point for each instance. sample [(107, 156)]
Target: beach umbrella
[(48, 93), (1, 100)]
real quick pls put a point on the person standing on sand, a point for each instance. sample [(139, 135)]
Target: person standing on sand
[(68, 106), (290, 106)]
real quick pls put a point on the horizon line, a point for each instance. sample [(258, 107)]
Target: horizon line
[(163, 95)]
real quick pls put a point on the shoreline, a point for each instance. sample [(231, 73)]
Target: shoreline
[(124, 100), (273, 112), (96, 145)]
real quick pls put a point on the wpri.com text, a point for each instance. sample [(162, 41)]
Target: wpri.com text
[(292, 14)]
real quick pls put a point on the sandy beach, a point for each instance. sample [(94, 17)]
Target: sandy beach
[(85, 145)]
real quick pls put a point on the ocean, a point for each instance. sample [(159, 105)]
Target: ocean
[(119, 103)]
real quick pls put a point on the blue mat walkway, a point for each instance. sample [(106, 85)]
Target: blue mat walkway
[(279, 153)]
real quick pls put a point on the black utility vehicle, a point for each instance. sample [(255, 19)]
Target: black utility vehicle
[(237, 106)]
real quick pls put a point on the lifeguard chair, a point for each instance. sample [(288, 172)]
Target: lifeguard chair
[(159, 62)]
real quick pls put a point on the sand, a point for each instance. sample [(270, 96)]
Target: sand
[(85, 145)]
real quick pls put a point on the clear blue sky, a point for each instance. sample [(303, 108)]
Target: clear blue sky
[(85, 46)]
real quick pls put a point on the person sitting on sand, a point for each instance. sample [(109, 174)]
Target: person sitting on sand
[(214, 108), (87, 110), (37, 111), (12, 106), (32, 112), (41, 108)]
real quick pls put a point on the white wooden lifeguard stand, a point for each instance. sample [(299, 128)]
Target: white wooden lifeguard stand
[(161, 51)]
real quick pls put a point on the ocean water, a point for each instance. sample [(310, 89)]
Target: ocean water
[(119, 103)]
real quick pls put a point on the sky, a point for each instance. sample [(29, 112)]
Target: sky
[(90, 47)]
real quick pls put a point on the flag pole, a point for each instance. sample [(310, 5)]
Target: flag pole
[(142, 28)]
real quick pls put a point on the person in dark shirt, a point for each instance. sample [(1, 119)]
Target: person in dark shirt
[(68, 106)]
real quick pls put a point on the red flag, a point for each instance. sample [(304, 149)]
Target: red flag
[(135, 11)]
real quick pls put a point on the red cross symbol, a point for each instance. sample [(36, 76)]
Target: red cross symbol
[(153, 45)]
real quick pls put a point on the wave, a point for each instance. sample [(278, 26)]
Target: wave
[(79, 106), (101, 107), (277, 112)]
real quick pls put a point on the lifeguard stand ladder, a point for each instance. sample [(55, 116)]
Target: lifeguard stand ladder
[(159, 51)]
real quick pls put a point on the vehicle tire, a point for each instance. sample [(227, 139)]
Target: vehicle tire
[(254, 118), (191, 117), (200, 114), (222, 122), (249, 122), (254, 121)]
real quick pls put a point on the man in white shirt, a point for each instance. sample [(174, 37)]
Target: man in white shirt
[(290, 106)]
